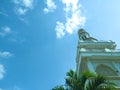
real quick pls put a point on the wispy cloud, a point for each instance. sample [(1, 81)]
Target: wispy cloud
[(2, 72), (5, 54), (60, 29), (13, 36), (51, 6), (22, 6), (3, 13), (5, 31), (21, 11), (73, 16)]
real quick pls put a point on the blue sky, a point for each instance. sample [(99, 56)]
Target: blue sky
[(38, 38)]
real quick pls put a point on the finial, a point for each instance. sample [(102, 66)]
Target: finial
[(84, 36)]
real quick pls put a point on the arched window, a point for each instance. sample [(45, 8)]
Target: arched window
[(105, 70)]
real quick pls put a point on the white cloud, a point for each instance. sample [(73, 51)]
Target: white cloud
[(28, 3), (22, 6), (2, 72), (51, 6), (5, 54), (5, 31), (13, 36), (60, 29), (70, 4), (73, 16), (21, 11)]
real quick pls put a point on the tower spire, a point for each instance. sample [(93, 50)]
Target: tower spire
[(98, 56), (84, 36)]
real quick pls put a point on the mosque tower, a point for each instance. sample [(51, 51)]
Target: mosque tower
[(100, 57)]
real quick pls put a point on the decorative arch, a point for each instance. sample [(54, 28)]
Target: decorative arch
[(105, 70)]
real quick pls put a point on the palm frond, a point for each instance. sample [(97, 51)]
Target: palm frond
[(100, 83), (86, 75), (58, 88)]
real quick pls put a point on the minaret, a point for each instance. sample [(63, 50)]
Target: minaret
[(100, 57)]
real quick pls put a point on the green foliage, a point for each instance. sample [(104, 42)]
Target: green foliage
[(86, 81), (86, 75), (58, 88), (77, 82), (72, 80), (100, 82)]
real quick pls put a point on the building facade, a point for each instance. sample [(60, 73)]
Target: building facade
[(100, 57)]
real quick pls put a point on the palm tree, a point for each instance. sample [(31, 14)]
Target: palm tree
[(77, 82), (86, 81), (72, 80), (84, 77), (100, 82), (58, 88)]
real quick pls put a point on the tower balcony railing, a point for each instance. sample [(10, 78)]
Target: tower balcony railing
[(100, 50)]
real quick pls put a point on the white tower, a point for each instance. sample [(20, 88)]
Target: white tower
[(97, 56)]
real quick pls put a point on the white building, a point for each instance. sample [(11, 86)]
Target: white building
[(100, 57)]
